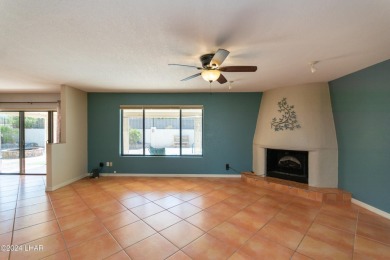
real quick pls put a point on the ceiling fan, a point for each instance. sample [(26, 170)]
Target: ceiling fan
[(211, 70)]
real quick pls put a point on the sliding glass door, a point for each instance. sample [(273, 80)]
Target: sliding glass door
[(35, 139), (9, 142), (23, 141)]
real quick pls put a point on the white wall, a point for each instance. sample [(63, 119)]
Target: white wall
[(68, 160), (317, 133)]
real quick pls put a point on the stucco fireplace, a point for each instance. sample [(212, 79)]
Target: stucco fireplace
[(316, 134)]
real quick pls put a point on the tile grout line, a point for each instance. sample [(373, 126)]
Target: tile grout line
[(14, 218), (355, 237), (256, 232), (59, 227), (307, 231), (337, 228), (129, 209), (44, 222), (367, 237), (142, 219), (158, 232), (13, 224), (165, 209), (100, 221), (183, 219), (285, 206)]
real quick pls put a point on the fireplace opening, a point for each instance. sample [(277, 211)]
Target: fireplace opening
[(288, 165)]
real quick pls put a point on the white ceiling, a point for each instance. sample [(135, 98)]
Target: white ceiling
[(125, 46)]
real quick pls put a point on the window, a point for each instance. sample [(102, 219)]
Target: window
[(159, 131)]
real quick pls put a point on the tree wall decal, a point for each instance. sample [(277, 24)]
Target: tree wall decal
[(288, 121)]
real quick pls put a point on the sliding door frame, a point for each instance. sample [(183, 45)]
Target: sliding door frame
[(22, 139)]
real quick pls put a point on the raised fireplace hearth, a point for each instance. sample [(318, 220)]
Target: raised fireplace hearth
[(324, 195), (288, 165)]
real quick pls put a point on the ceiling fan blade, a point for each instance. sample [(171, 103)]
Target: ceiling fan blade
[(199, 68), (191, 77), (239, 68), (222, 79), (219, 57)]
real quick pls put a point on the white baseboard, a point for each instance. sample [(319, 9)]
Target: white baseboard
[(164, 175), (66, 182), (371, 208)]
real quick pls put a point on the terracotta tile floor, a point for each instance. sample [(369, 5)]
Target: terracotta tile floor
[(179, 218)]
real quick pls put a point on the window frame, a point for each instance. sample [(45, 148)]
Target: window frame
[(144, 108)]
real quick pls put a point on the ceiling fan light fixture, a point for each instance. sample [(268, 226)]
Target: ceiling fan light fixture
[(210, 75), (211, 70), (313, 69)]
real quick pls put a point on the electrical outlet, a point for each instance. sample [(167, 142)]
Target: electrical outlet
[(227, 166), (108, 164)]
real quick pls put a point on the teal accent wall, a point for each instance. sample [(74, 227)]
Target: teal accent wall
[(361, 109), (228, 128)]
